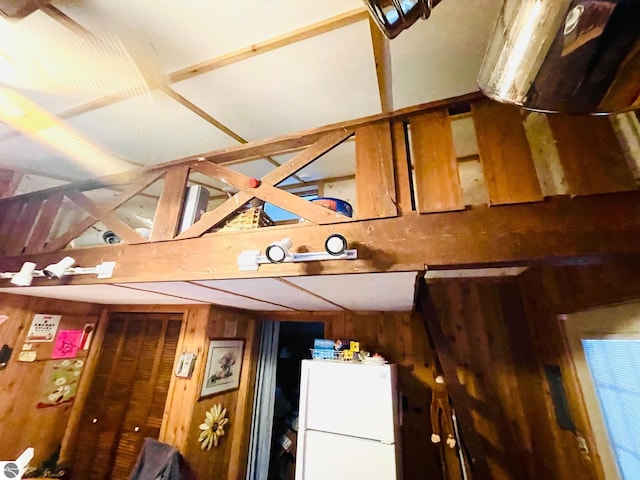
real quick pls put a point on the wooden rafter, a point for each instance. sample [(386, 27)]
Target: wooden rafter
[(274, 177), (382, 57)]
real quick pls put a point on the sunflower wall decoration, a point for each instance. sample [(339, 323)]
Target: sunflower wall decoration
[(213, 427)]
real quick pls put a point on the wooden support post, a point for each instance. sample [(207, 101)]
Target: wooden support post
[(167, 217), (470, 437)]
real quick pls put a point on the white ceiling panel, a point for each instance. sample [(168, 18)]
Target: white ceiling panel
[(321, 80), (441, 56), (191, 291), (151, 129), (364, 291), (272, 290), (24, 153), (184, 33), (102, 294)]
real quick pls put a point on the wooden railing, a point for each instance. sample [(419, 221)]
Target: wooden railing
[(405, 162)]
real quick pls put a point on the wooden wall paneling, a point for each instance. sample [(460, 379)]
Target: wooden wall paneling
[(591, 155), (240, 430), (547, 292), (22, 229), (535, 417), (402, 167), (21, 382), (184, 391), (436, 168), (506, 158), (375, 180), (169, 208), (500, 380), (44, 222), (217, 461), (69, 441)]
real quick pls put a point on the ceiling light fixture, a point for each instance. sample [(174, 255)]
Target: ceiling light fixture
[(24, 277), (335, 244), (279, 252), (55, 271)]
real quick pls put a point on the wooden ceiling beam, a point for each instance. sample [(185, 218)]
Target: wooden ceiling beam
[(382, 57), (558, 231), (303, 33)]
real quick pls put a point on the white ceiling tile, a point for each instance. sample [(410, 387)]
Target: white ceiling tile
[(272, 290), (101, 294), (364, 291), (440, 57), (321, 80), (24, 153), (186, 33), (192, 291), (151, 129)]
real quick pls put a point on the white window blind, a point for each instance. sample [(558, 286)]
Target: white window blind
[(614, 365)]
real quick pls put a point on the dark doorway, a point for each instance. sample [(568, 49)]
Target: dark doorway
[(294, 344)]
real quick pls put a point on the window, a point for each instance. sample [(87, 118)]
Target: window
[(278, 214), (605, 348), (614, 367)]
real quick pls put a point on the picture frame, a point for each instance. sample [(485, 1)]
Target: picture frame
[(224, 365)]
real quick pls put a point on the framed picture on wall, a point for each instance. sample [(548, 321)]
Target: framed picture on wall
[(224, 364)]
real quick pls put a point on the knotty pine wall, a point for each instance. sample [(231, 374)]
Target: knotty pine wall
[(546, 293), (186, 410), (502, 332), (22, 425)]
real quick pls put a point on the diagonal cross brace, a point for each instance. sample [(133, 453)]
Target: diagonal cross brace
[(267, 190)]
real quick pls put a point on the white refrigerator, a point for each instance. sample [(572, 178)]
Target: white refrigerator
[(349, 424)]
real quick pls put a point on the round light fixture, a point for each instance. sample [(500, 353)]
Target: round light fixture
[(278, 252), (335, 244)]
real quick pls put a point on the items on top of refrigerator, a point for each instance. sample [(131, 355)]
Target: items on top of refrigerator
[(343, 351)]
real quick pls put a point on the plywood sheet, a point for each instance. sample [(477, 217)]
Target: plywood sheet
[(436, 171), (591, 155), (508, 167), (375, 183)]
